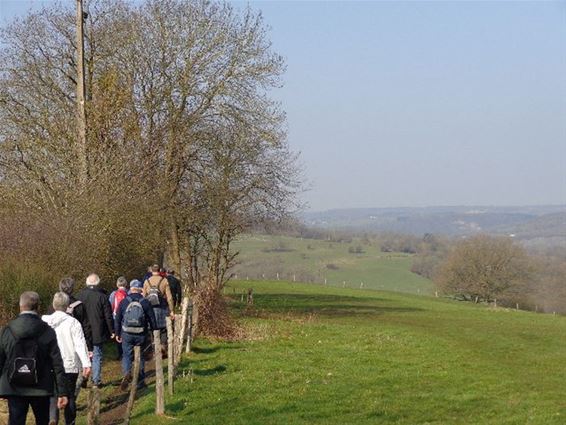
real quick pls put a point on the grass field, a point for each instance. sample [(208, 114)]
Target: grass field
[(308, 260), (323, 355)]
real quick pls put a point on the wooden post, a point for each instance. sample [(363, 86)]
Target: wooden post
[(325, 281), (170, 359), (277, 276), (344, 284), (190, 330), (159, 384), (134, 386), (496, 303), (178, 340), (517, 306), (93, 414), (436, 294), (183, 332), (294, 278), (250, 296)]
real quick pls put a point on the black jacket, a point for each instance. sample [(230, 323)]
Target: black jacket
[(176, 290), (50, 369), (99, 313), (148, 310), (79, 313)]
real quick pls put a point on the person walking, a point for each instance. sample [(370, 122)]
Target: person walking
[(115, 299), (134, 319), (156, 290), (72, 344), (99, 315), (31, 365), (175, 287), (76, 309)]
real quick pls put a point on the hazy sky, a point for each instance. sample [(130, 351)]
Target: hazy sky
[(422, 103)]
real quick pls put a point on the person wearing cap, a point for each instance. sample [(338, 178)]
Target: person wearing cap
[(134, 319)]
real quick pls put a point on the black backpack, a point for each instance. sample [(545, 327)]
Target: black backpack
[(23, 364), (134, 321)]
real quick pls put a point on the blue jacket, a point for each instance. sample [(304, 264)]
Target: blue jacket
[(149, 314)]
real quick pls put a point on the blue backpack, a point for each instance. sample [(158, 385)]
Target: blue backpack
[(134, 321)]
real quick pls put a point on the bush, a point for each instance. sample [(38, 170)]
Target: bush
[(17, 276)]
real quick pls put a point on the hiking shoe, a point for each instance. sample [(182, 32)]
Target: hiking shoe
[(125, 381)]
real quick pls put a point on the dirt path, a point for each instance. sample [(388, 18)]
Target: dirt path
[(113, 400)]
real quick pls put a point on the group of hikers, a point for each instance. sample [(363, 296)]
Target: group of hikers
[(46, 360)]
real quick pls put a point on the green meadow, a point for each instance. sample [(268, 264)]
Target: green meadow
[(307, 260), (312, 354)]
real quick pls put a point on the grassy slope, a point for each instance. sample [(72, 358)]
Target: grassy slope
[(340, 356), (308, 260)]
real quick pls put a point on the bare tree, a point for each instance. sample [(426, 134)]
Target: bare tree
[(483, 267), (184, 147)]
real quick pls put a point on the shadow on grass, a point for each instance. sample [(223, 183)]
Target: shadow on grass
[(215, 348), (327, 305), (210, 372)]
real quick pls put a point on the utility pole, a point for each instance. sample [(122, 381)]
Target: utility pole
[(81, 107)]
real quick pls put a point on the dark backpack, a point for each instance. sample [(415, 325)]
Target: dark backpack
[(134, 321), (23, 362), (154, 295)]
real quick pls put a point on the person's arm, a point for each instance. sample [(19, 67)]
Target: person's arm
[(80, 344), (57, 363), (150, 314), (119, 317), (82, 317), (145, 290), (107, 311), (169, 297)]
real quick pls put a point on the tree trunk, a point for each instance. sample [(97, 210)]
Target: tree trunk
[(174, 248)]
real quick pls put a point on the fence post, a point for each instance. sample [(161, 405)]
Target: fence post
[(190, 330), (159, 384), (134, 387), (183, 331), (170, 345), (93, 406)]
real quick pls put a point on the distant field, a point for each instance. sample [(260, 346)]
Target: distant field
[(333, 356), (307, 260)]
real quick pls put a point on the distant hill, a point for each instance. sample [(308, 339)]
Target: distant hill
[(527, 222)]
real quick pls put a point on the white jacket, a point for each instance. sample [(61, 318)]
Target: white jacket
[(71, 341)]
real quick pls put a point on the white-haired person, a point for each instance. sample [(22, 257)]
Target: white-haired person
[(99, 315), (74, 352)]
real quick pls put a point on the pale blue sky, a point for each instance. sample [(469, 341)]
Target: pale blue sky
[(422, 103)]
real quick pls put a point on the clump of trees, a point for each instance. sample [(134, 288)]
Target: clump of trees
[(184, 147), (483, 267)]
